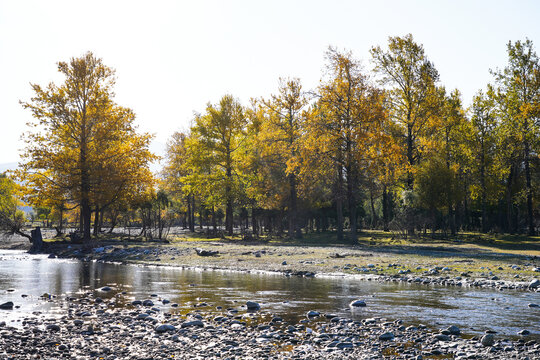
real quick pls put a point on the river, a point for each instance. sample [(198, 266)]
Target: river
[(25, 278)]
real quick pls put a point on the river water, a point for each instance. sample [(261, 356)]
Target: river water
[(473, 310)]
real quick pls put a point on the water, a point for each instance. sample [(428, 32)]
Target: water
[(473, 310)]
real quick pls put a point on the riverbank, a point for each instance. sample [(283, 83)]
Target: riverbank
[(454, 265), (117, 327)]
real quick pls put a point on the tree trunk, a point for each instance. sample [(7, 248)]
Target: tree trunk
[(410, 156), (385, 209), (373, 213), (254, 227), (530, 216), (484, 191), (294, 229), (339, 202), (96, 222), (351, 185), (509, 202), (191, 217)]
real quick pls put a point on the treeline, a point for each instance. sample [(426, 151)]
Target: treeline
[(389, 148)]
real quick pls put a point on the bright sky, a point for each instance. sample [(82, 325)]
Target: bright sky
[(172, 57)]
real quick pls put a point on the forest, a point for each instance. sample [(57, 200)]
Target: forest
[(386, 148)]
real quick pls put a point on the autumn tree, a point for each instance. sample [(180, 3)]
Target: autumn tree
[(214, 148), (518, 96), (174, 172), (411, 78), (11, 218), (82, 145), (281, 135), (482, 148), (346, 129)]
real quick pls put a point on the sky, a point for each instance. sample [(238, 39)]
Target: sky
[(173, 57)]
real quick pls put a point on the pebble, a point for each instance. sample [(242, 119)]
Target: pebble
[(7, 305), (357, 303), (487, 340), (251, 305)]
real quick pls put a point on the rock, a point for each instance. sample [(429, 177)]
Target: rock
[(148, 303), (524, 332), (344, 345), (202, 252), (136, 302), (198, 323), (357, 303), (53, 327), (251, 305), (312, 314), (6, 306), (442, 337), (106, 288), (284, 263), (534, 284), (533, 305), (386, 336), (488, 340), (164, 328), (453, 330), (51, 256)]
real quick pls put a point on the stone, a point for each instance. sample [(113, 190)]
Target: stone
[(442, 337), (531, 305), (6, 306), (386, 336), (148, 303), (164, 328), (192, 323), (534, 284), (284, 263), (524, 332), (453, 330), (53, 327), (357, 303), (106, 288), (313, 313), (251, 305), (488, 340)]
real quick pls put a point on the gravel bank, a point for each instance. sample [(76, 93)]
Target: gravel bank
[(96, 328)]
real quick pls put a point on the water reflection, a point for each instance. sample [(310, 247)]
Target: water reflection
[(473, 310)]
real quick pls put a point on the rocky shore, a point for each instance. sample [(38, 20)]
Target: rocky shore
[(291, 261), (92, 327)]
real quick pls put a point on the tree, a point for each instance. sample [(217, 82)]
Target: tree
[(482, 148), (214, 152), (281, 136), (83, 147), (518, 96), (413, 95), (11, 219), (347, 128)]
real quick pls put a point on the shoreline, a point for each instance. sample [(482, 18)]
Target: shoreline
[(96, 328), (92, 327), (426, 266)]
